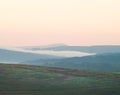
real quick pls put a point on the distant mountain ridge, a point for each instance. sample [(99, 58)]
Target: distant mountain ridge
[(8, 56), (88, 49), (45, 46)]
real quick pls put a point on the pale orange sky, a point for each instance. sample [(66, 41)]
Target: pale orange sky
[(73, 22)]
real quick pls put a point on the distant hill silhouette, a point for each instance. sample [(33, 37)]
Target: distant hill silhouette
[(89, 49), (8, 56)]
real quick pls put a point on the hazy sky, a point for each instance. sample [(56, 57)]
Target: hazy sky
[(74, 22)]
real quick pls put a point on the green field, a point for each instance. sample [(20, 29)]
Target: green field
[(38, 80)]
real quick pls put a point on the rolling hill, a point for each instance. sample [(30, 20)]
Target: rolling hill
[(109, 62), (11, 56), (38, 80)]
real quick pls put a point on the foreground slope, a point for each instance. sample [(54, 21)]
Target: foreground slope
[(37, 80)]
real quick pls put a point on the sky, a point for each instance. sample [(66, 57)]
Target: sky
[(72, 22)]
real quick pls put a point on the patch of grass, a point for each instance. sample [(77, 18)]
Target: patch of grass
[(37, 80)]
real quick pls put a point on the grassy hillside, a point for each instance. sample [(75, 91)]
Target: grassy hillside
[(37, 80)]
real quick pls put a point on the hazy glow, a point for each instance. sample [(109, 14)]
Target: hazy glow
[(74, 22)]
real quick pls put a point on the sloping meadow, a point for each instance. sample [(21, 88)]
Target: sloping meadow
[(37, 80)]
